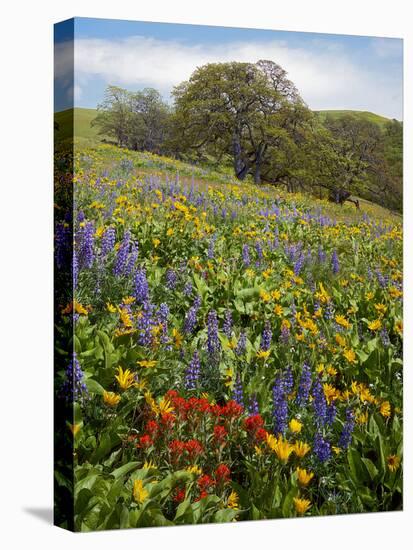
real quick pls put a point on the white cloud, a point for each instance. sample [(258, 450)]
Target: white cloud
[(326, 78)]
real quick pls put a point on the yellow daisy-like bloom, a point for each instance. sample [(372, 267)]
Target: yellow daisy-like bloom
[(140, 494), (151, 402), (393, 462), (283, 449), (278, 310), (304, 477), (398, 327), (265, 296), (385, 409), (362, 418), (375, 325), (301, 505), (111, 308), (125, 379), (295, 426), (165, 406), (177, 337), (261, 354), (380, 308), (170, 232), (78, 308), (331, 371), (301, 448), (156, 242), (341, 320), (350, 355), (128, 300), (194, 470), (233, 500), (331, 393), (110, 398), (148, 465), (75, 428), (147, 363), (341, 341), (337, 450)]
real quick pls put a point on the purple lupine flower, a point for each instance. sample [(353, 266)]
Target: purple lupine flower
[(345, 437), (145, 324), (246, 255), (86, 242), (131, 261), (62, 245), (280, 406), (299, 264), (187, 288), (192, 372), (304, 386), (321, 255), (141, 286), (171, 279), (259, 250), (108, 241), (122, 255), (266, 337), (329, 311), (75, 269), (238, 393), (241, 344), (211, 248), (253, 406), (322, 448), (384, 335), (335, 266), (191, 317), (73, 387), (213, 343), (331, 414), (288, 381), (285, 334), (319, 403), (227, 328)]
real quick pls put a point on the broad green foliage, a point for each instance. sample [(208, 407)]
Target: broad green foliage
[(238, 350)]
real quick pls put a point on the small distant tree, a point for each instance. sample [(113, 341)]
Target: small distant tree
[(114, 115)]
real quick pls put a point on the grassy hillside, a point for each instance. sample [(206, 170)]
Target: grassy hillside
[(83, 118), (82, 123), (365, 115)]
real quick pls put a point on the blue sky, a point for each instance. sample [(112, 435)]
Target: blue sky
[(330, 71)]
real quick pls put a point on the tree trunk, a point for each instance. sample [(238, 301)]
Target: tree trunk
[(240, 167)]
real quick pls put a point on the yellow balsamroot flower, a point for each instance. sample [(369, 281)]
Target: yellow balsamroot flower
[(301, 505), (151, 402), (304, 477), (148, 465), (170, 232), (75, 428), (140, 494), (156, 242), (111, 308), (331, 393), (110, 398), (369, 296), (165, 406), (233, 500), (385, 409), (337, 450), (278, 310), (194, 470), (301, 448), (78, 308), (261, 354), (177, 337), (125, 317), (128, 300), (265, 296), (331, 371), (295, 426), (342, 321), (375, 325), (282, 449), (393, 462), (349, 355), (398, 327), (147, 363), (362, 418), (125, 379), (380, 308), (341, 341), (276, 294)]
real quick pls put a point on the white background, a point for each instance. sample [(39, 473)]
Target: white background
[(26, 273)]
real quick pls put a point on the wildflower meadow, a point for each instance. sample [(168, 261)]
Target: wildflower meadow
[(236, 350)]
